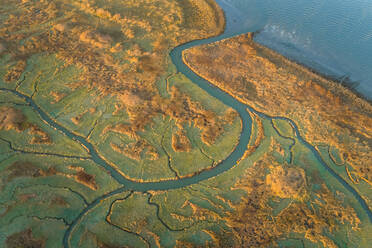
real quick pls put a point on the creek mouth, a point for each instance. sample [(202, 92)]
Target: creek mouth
[(176, 55), (225, 165)]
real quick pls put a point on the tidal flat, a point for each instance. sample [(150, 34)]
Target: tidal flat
[(108, 140)]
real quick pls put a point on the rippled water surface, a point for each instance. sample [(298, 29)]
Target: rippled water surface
[(332, 36)]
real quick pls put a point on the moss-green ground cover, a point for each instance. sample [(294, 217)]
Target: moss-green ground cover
[(101, 70)]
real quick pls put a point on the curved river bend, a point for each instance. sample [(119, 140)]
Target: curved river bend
[(228, 163)]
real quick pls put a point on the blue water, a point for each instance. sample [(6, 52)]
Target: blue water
[(237, 22), (330, 36)]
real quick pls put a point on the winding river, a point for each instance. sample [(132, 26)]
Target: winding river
[(228, 163)]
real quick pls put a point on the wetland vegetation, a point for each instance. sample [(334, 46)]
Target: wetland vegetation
[(104, 142)]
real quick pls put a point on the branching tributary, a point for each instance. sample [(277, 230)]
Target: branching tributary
[(228, 163)]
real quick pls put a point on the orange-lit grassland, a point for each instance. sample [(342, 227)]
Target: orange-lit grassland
[(264, 201), (102, 70), (326, 113)]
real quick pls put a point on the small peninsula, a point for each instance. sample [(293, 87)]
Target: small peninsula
[(326, 112), (125, 124)]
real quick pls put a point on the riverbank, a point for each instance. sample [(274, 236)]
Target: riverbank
[(325, 111)]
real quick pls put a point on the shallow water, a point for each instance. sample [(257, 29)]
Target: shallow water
[(331, 36)]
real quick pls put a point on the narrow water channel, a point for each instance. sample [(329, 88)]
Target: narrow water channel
[(228, 163)]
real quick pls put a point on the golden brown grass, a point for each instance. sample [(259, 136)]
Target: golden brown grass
[(256, 226), (122, 50), (180, 142), (325, 111), (11, 118)]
